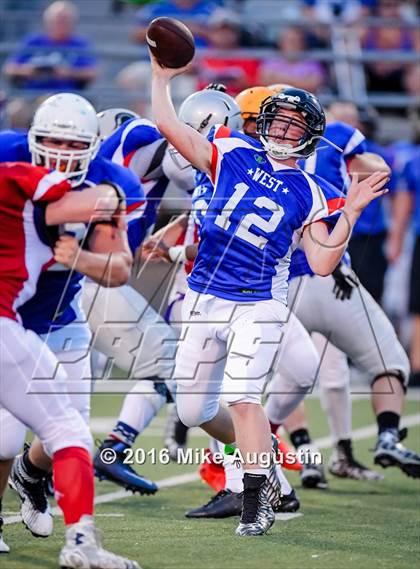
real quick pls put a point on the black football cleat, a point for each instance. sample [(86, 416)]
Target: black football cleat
[(224, 504), (288, 504)]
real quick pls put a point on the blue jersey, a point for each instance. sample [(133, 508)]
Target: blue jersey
[(330, 164), (411, 183), (138, 145), (256, 215), (56, 301), (373, 219)]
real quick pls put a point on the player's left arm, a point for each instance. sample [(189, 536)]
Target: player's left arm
[(324, 250), (108, 260)]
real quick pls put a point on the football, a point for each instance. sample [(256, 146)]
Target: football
[(171, 42)]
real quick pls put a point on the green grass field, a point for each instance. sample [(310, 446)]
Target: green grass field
[(351, 525)]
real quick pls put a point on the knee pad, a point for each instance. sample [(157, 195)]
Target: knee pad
[(396, 373), (235, 398), (193, 415)]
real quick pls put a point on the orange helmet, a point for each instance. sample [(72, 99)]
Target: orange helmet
[(278, 87), (250, 100)]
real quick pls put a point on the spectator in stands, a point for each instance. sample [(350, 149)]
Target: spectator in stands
[(384, 75), (329, 11), (56, 59), (224, 34), (412, 80), (18, 114), (194, 13), (286, 67), (367, 244)]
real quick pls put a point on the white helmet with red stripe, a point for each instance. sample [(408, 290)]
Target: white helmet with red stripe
[(65, 117)]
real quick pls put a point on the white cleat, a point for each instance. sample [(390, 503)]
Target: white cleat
[(4, 548), (83, 549), (35, 510)]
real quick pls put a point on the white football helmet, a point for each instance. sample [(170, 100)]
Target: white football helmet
[(111, 119), (69, 117), (208, 107), (201, 111)]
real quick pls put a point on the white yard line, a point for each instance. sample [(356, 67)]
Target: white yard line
[(325, 442), (113, 496)]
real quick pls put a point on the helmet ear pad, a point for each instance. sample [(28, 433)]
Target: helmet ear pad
[(111, 119), (313, 116)]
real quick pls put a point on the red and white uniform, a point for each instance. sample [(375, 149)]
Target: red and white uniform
[(32, 385), (23, 254)]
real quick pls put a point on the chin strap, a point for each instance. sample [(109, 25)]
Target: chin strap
[(285, 151), (282, 151)]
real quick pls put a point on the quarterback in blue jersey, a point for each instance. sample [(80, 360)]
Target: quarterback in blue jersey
[(64, 136), (233, 311)]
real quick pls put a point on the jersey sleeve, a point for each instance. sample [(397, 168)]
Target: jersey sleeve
[(135, 135), (223, 141), (327, 201), (136, 203), (356, 143), (37, 183)]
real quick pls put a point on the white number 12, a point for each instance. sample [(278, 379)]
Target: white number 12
[(251, 219)]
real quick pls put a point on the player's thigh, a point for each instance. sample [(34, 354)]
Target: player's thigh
[(358, 327), (254, 346), (71, 347), (174, 313), (298, 361), (200, 361), (334, 371), (33, 389), (12, 435)]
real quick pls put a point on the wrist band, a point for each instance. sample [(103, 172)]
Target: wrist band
[(177, 254)]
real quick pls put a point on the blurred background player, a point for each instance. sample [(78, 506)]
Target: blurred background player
[(370, 342)]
